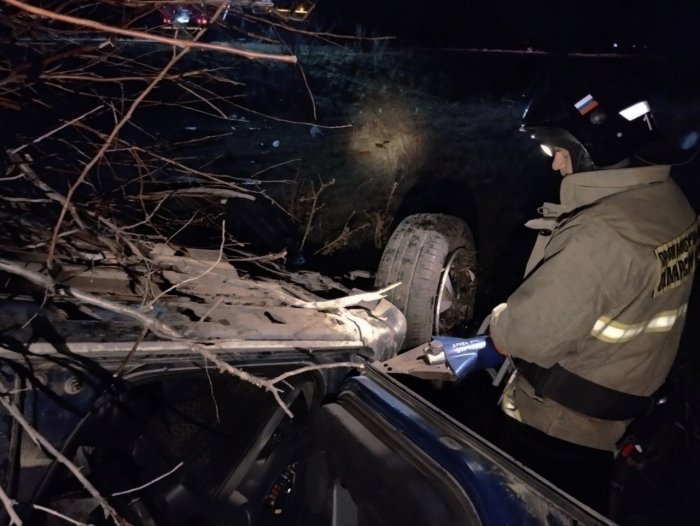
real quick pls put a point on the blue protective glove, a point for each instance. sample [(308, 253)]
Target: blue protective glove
[(466, 355)]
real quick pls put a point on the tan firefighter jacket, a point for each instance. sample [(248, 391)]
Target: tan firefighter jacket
[(605, 297)]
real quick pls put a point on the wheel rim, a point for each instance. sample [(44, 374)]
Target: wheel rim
[(455, 294)]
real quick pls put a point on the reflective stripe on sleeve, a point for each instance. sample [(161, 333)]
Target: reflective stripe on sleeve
[(611, 331)]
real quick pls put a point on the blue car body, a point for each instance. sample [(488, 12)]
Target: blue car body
[(500, 490)]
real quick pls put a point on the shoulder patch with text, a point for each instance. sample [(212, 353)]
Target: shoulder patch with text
[(678, 259)]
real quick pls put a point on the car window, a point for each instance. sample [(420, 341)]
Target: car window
[(365, 473)]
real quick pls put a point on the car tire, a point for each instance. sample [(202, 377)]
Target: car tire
[(429, 254)]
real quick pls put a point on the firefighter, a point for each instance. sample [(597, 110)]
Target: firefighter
[(595, 327)]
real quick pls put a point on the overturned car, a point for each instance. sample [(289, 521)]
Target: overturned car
[(183, 393)]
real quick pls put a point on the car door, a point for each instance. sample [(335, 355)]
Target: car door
[(380, 454)]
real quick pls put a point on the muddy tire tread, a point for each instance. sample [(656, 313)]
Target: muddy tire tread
[(415, 255)]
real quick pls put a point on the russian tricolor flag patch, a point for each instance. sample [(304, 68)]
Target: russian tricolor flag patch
[(586, 104)]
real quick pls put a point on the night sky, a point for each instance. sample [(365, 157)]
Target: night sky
[(652, 26)]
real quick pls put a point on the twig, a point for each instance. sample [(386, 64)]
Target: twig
[(104, 147), (23, 200), (210, 176), (11, 178), (183, 227), (125, 361), (40, 441), (50, 192), (268, 257), (279, 119), (149, 215), (314, 206), (308, 89), (194, 278), (306, 369), (38, 279), (268, 385), (341, 239), (158, 478), (209, 311), (9, 506), (205, 101), (198, 192), (159, 328), (267, 169), (139, 78), (120, 234), (51, 286), (211, 390), (301, 370), (381, 218), (55, 130)]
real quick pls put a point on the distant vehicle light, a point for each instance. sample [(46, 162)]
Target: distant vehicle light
[(289, 9), (297, 11), (184, 15)]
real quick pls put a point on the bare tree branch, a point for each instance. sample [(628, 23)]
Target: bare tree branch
[(302, 370), (103, 149), (194, 278), (55, 130), (50, 285), (150, 483), (42, 442), (315, 207), (9, 506)]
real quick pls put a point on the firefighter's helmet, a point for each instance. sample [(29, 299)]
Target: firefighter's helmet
[(599, 125)]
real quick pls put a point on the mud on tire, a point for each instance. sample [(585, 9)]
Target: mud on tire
[(433, 257)]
